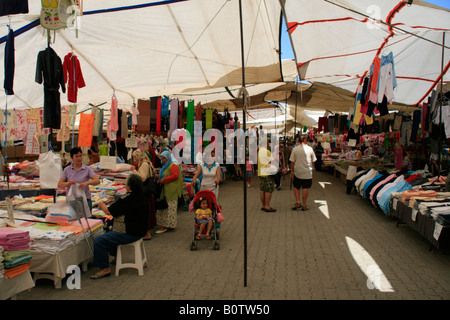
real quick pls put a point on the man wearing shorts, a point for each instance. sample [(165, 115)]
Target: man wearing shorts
[(302, 159)]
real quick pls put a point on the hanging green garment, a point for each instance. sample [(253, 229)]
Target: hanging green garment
[(190, 118), (208, 117)]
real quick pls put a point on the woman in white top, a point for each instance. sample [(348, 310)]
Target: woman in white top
[(210, 171)]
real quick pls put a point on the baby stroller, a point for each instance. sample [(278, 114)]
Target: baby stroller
[(212, 204)]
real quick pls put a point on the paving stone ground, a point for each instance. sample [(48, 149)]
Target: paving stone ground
[(292, 255)]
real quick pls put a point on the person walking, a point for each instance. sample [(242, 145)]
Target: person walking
[(266, 185), (210, 171), (171, 179), (302, 158), (319, 151)]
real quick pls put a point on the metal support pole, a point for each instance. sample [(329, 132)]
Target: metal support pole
[(245, 142), (440, 110)]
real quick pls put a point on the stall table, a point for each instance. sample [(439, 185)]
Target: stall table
[(10, 287), (425, 225)]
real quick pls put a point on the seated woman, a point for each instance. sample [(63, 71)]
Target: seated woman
[(130, 224)]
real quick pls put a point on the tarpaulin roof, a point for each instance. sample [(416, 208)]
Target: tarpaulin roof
[(189, 49), (140, 49), (336, 41)]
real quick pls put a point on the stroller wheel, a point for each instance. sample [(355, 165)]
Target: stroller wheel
[(193, 246), (216, 245)]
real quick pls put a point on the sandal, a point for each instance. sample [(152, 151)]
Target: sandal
[(198, 237), (296, 206), (100, 275), (304, 208), (270, 210), (208, 237)]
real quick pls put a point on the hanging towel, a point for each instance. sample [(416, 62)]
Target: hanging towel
[(114, 114), (9, 64), (85, 129), (173, 116), (208, 117), (158, 116), (190, 118), (181, 119)]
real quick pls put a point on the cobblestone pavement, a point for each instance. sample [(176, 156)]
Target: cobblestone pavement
[(292, 255)]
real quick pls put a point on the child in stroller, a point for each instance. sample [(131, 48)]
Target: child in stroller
[(207, 219), (204, 218)]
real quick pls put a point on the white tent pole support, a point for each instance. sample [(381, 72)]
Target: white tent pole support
[(385, 23), (189, 48), (93, 67)]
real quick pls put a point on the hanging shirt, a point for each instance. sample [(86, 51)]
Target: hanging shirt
[(72, 76)]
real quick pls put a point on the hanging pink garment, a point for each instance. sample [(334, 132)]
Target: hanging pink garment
[(114, 114)]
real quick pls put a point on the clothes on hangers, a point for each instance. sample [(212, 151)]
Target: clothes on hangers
[(72, 76), (49, 70)]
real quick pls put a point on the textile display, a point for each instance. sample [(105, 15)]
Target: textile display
[(158, 116), (173, 116), (85, 129), (153, 111), (190, 118), (208, 119), (143, 116), (72, 76), (9, 64), (114, 114), (49, 70), (64, 133)]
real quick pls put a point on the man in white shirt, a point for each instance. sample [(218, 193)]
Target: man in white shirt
[(302, 159)]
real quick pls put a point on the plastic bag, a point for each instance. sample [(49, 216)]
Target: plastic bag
[(60, 213), (76, 198), (49, 170)]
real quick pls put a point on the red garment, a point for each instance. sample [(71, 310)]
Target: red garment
[(158, 116), (174, 173), (71, 67)]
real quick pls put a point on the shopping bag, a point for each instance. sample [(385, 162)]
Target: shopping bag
[(60, 213), (49, 170), (76, 198)]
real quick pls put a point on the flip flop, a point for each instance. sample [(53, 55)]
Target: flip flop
[(198, 237), (208, 237), (99, 275), (305, 208), (270, 210)]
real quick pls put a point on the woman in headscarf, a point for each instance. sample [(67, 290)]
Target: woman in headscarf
[(171, 179), (145, 170)]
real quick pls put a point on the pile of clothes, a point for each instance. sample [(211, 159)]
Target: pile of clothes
[(15, 251)]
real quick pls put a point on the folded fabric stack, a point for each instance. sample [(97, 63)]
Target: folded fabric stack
[(16, 254), (51, 241)]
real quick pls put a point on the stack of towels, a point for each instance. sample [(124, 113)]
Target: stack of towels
[(2, 267), (16, 251)]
